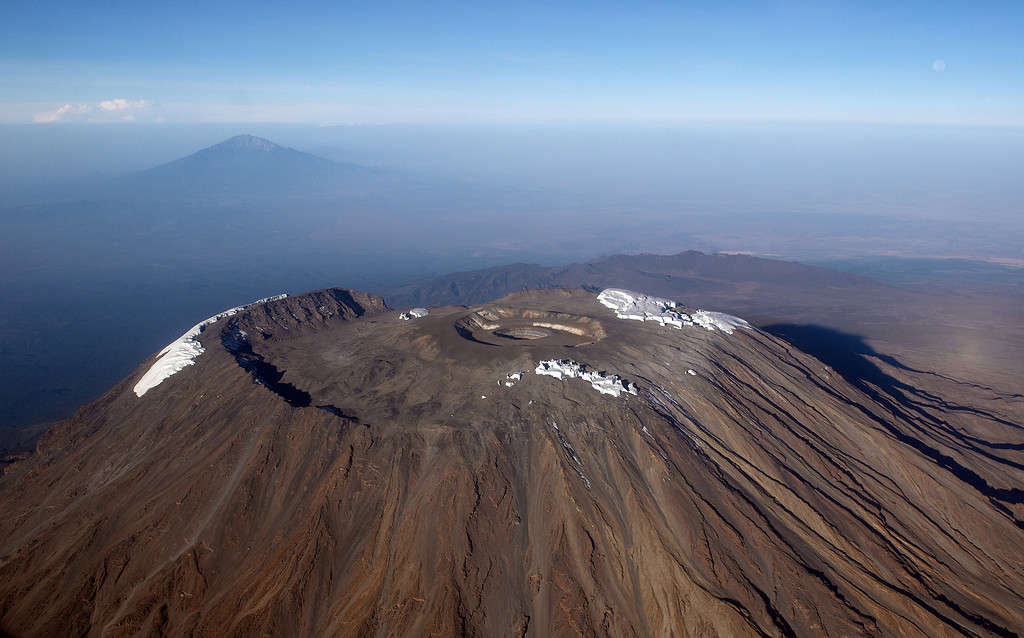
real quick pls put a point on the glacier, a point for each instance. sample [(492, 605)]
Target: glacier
[(183, 351)]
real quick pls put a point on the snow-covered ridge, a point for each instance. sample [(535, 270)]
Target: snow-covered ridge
[(566, 369), (183, 351), (415, 313), (640, 307)]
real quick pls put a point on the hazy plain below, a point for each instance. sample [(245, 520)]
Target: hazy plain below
[(100, 265)]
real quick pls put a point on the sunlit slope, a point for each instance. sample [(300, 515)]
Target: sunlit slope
[(549, 464)]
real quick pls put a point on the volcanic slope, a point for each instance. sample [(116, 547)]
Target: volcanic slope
[(555, 463)]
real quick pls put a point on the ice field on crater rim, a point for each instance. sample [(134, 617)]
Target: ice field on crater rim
[(182, 352), (638, 306)]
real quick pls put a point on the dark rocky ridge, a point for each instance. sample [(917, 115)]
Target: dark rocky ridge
[(691, 272), (767, 495)]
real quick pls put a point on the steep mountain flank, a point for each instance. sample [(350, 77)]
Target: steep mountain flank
[(554, 463)]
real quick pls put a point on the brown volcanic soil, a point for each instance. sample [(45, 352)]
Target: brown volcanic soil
[(372, 489)]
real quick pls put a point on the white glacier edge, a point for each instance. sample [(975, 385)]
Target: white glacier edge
[(712, 320), (638, 306), (566, 369), (182, 352)]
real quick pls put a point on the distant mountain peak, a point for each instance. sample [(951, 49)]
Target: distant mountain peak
[(248, 143), (241, 163), (245, 166)]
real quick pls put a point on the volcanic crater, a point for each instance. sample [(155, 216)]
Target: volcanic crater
[(528, 324), (555, 463)]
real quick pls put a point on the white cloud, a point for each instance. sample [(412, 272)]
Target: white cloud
[(938, 66), (118, 109), (51, 116), (121, 104), (60, 113)]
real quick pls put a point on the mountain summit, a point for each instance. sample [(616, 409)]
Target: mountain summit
[(246, 143), (250, 148), (243, 166), (554, 463)]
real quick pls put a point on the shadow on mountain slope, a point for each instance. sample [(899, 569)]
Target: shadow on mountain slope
[(845, 353), (851, 357)]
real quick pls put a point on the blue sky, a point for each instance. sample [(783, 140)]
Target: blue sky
[(380, 62)]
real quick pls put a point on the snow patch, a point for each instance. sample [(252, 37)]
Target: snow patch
[(720, 320), (415, 313), (182, 352), (603, 383), (512, 378), (691, 372), (640, 307)]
